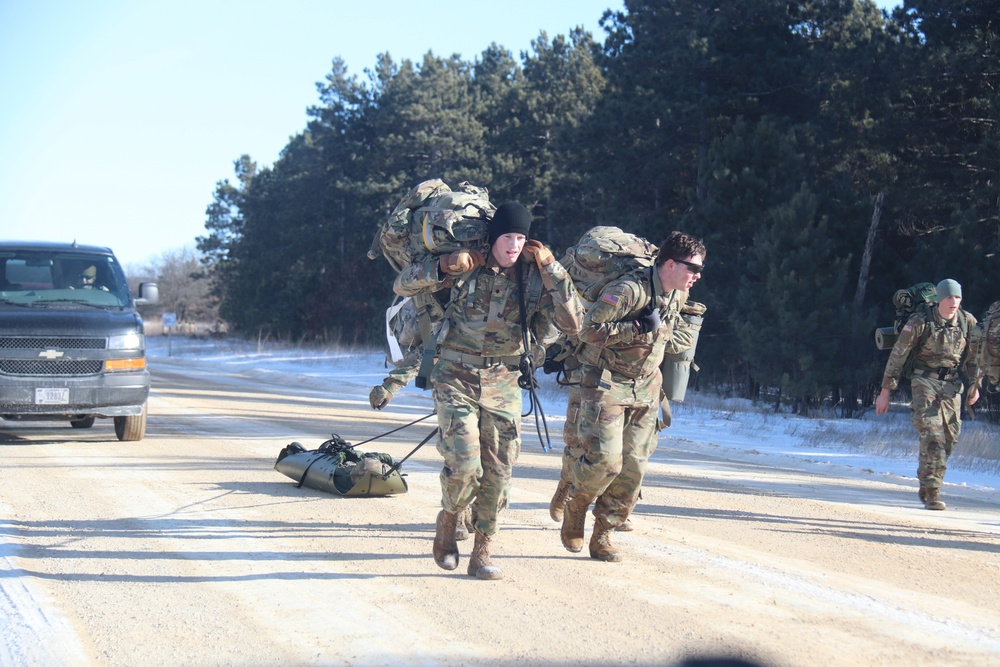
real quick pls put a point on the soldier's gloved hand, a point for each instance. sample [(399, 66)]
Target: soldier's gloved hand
[(535, 248), (380, 397), (648, 323), (461, 261)]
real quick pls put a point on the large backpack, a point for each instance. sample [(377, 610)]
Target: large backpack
[(906, 301), (604, 254), (988, 343), (432, 219)]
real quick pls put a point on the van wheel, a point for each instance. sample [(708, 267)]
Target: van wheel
[(132, 427), (86, 422)]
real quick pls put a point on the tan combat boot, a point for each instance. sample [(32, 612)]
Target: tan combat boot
[(600, 543), (445, 549), (932, 499), (480, 565), (464, 525), (558, 504), (574, 522), (625, 526)]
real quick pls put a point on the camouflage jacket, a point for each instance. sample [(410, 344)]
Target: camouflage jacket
[(404, 372), (609, 339), (484, 316), (934, 343)]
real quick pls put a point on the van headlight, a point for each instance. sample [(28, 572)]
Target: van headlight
[(129, 341)]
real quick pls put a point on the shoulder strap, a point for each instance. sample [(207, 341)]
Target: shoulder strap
[(422, 381), (522, 307), (928, 326), (652, 291)]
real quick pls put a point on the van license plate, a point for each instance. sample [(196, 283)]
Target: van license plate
[(52, 396)]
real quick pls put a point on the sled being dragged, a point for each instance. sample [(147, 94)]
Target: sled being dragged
[(337, 468)]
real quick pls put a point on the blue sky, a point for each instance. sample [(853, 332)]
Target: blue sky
[(119, 117)]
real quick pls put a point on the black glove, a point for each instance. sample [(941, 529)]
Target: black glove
[(648, 323), (552, 366), (552, 363)]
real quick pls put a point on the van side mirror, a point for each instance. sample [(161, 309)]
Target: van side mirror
[(149, 295)]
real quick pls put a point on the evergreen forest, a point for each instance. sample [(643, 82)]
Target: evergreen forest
[(828, 154)]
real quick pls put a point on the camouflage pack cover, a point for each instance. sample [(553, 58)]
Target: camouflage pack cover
[(603, 254), (433, 219)]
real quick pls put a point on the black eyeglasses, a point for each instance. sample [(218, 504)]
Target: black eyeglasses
[(691, 266)]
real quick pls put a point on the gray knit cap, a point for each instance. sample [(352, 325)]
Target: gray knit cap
[(948, 287)]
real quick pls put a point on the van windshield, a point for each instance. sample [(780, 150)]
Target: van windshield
[(42, 278)]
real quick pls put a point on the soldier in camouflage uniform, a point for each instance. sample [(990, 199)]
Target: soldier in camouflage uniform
[(624, 339), (683, 339), (381, 395), (938, 340), (475, 379)]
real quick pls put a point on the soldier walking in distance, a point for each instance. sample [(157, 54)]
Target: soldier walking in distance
[(475, 379), (938, 340), (624, 336)]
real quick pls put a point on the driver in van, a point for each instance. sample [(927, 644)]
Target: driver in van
[(88, 279)]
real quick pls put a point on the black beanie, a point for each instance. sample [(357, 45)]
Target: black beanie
[(510, 218)]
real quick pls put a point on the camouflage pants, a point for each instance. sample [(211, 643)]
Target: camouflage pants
[(937, 416), (617, 430), (574, 448), (479, 416)]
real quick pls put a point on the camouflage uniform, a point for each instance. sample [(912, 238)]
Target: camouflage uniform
[(404, 372), (619, 390), (938, 348), (476, 395), (682, 340)]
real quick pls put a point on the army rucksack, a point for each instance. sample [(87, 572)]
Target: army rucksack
[(988, 343), (433, 219), (906, 302), (604, 254)]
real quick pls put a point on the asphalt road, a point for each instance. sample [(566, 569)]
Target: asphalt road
[(188, 548)]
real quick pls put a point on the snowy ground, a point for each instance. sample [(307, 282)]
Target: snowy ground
[(728, 428)]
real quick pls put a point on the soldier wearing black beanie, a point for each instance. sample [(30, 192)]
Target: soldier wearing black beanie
[(510, 218)]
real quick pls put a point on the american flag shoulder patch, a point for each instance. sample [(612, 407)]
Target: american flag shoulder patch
[(907, 328), (611, 299)]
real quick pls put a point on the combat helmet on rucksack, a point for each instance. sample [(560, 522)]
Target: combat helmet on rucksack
[(432, 219)]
